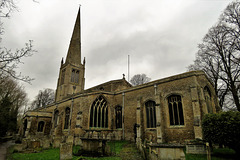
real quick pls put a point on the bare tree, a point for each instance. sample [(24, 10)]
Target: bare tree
[(9, 59), (44, 98), (219, 56), (7, 7), (139, 79)]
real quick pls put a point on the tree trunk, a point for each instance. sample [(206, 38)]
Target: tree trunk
[(235, 96)]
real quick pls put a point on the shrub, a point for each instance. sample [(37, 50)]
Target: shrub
[(223, 128)]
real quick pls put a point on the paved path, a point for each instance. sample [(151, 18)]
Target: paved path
[(3, 149)]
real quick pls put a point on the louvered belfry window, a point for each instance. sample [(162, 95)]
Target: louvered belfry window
[(99, 113), (75, 76)]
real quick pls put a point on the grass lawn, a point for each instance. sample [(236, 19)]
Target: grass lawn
[(53, 153), (121, 149)]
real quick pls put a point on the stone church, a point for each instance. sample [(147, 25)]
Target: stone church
[(167, 110)]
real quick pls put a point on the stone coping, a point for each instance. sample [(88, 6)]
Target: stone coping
[(42, 114), (165, 145), (199, 143), (156, 82), (98, 129), (96, 139)]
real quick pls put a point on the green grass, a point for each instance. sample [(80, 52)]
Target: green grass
[(49, 154), (217, 154), (116, 146), (101, 158), (76, 149), (53, 153)]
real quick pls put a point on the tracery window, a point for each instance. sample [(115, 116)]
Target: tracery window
[(151, 114), (63, 76), (99, 113), (67, 118), (75, 76), (175, 110), (40, 126), (207, 95), (118, 111), (56, 114)]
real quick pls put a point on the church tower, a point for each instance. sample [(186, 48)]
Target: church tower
[(71, 76)]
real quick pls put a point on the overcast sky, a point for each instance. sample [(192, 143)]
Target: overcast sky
[(161, 36)]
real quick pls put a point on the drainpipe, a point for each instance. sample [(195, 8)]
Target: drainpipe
[(71, 110), (123, 96), (155, 89)]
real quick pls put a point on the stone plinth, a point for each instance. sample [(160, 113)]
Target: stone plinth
[(66, 151), (18, 147), (45, 143), (94, 146), (166, 152), (56, 142), (196, 149), (34, 144)]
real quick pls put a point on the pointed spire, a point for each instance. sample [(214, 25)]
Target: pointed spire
[(74, 50)]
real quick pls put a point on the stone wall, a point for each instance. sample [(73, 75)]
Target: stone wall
[(132, 100)]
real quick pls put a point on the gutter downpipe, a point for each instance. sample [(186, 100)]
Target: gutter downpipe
[(123, 98)]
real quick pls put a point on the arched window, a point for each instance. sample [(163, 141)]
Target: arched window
[(56, 113), (24, 127), (40, 126), (118, 111), (67, 117), (207, 95), (175, 110), (151, 114), (99, 113)]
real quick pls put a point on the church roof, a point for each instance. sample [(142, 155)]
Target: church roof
[(111, 86)]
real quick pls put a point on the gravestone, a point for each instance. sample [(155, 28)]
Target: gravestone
[(66, 151)]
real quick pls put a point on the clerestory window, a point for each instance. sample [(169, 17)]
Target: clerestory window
[(151, 114), (99, 113), (175, 110)]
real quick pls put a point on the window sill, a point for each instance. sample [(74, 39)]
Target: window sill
[(118, 129), (98, 129), (177, 126), (150, 129)]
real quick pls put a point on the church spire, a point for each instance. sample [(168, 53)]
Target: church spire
[(74, 50)]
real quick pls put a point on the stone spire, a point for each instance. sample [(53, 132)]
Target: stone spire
[(74, 50)]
